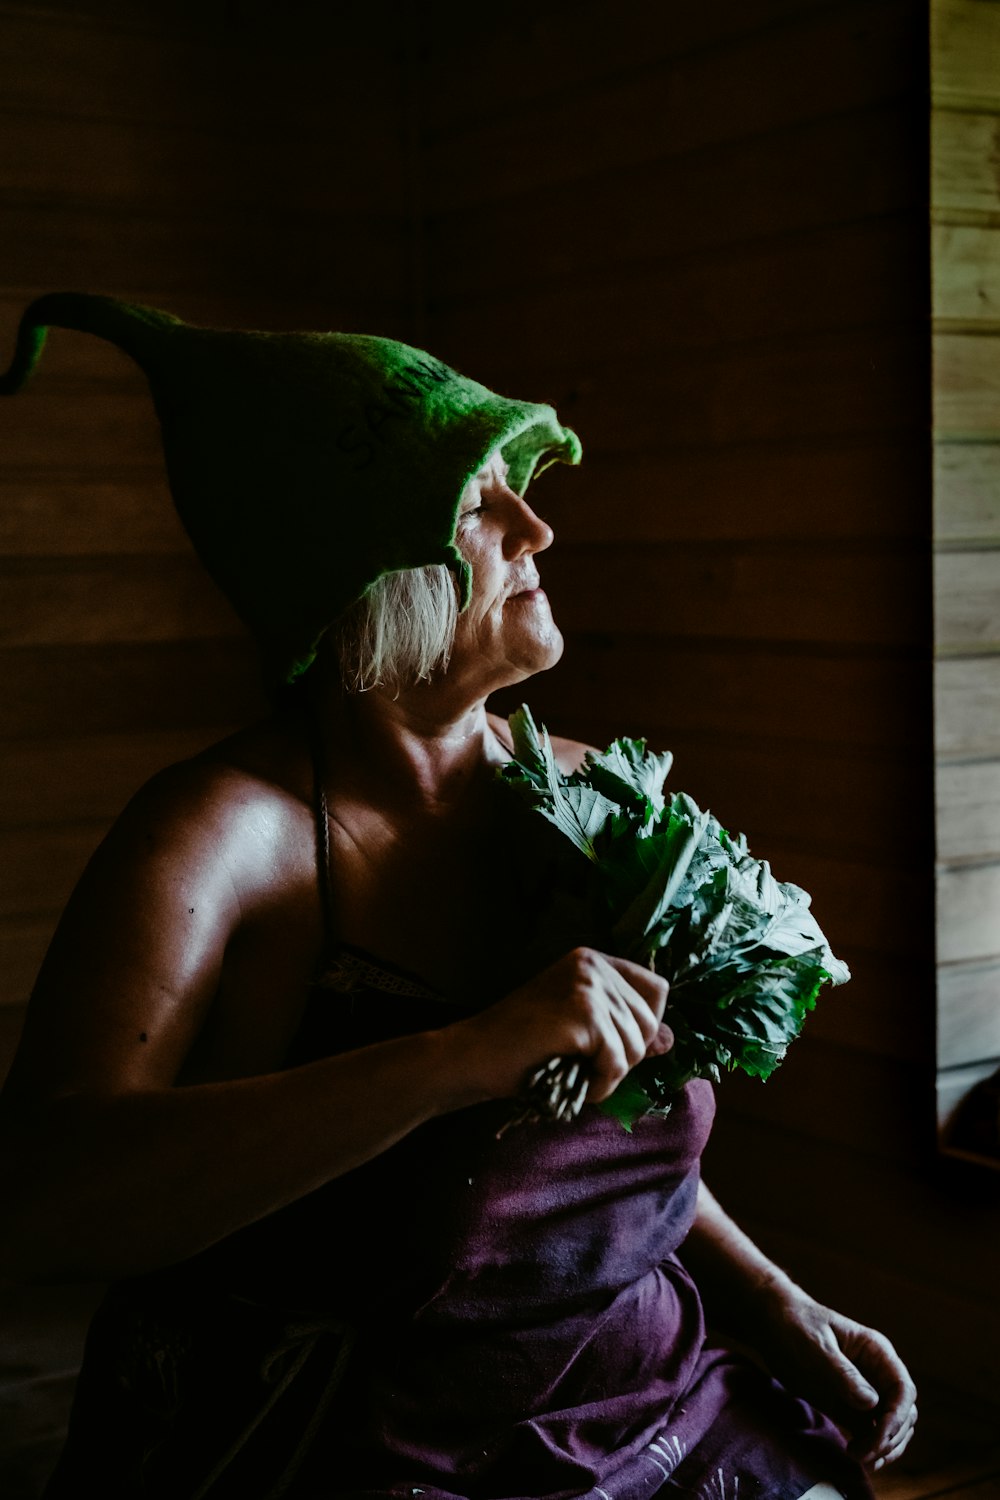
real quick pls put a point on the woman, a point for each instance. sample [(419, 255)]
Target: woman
[(266, 1078)]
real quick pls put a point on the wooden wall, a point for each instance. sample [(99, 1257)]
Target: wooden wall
[(241, 165), (702, 233), (965, 213)]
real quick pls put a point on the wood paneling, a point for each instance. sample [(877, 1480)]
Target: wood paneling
[(966, 387), (657, 686), (963, 183), (67, 602), (965, 37), (206, 159), (966, 303), (814, 65), (88, 777), (546, 51), (109, 689), (967, 601), (969, 915), (966, 492), (968, 1002), (825, 173), (830, 490), (968, 810), (755, 591), (688, 302), (967, 697), (966, 282)]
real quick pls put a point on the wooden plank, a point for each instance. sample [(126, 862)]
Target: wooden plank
[(764, 591), (968, 810), (966, 386), (319, 253), (87, 777), (833, 171), (46, 426), (846, 276), (130, 688), (967, 698), (965, 45), (59, 516), (844, 1098), (965, 280), (967, 492), (40, 866), (823, 386), (183, 166), (73, 65), (963, 179), (610, 683), (879, 907), (883, 1202), (824, 63), (968, 912), (968, 1013), (23, 944), (874, 1012), (250, 24), (574, 46), (119, 599), (954, 1085), (828, 491), (967, 601)]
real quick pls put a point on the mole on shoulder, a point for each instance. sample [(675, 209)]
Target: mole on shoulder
[(143, 1037)]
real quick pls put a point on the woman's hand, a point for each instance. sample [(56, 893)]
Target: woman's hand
[(845, 1369), (587, 1004)]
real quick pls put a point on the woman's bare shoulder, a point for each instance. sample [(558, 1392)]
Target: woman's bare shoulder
[(234, 802)]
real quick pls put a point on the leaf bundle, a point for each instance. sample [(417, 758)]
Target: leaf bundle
[(659, 881)]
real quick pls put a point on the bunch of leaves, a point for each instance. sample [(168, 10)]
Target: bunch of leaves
[(657, 880)]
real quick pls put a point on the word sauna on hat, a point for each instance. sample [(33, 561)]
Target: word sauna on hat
[(402, 397)]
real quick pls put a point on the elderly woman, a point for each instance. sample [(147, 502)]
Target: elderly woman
[(272, 1051)]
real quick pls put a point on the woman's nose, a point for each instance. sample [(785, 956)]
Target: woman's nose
[(527, 532)]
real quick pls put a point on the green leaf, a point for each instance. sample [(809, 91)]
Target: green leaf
[(665, 882)]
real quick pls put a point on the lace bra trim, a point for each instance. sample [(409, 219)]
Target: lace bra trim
[(348, 971)]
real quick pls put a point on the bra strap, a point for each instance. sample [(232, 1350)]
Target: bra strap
[(324, 873)]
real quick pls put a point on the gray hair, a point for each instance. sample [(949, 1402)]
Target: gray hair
[(400, 632)]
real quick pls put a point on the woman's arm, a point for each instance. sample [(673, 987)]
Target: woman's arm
[(107, 1167), (849, 1371)]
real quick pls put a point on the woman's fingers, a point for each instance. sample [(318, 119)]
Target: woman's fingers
[(645, 982), (586, 1005), (628, 1021)]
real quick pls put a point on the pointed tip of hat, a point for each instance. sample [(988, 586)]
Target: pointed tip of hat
[(126, 324)]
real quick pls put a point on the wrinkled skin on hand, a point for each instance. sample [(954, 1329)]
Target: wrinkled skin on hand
[(587, 1004), (847, 1370)]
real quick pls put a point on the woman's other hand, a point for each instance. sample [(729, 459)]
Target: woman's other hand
[(847, 1370), (587, 1004)]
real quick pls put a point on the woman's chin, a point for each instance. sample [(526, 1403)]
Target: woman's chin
[(540, 654)]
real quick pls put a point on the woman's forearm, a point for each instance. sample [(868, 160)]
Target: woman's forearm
[(733, 1274), (98, 1186)]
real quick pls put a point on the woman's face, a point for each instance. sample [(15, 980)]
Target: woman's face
[(507, 632)]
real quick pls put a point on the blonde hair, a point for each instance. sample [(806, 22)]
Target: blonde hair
[(400, 632)]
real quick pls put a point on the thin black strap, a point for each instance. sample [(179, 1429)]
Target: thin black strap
[(324, 874)]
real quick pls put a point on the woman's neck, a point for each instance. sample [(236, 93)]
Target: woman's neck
[(419, 750)]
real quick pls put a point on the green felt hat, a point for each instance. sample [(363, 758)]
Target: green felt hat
[(304, 466)]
